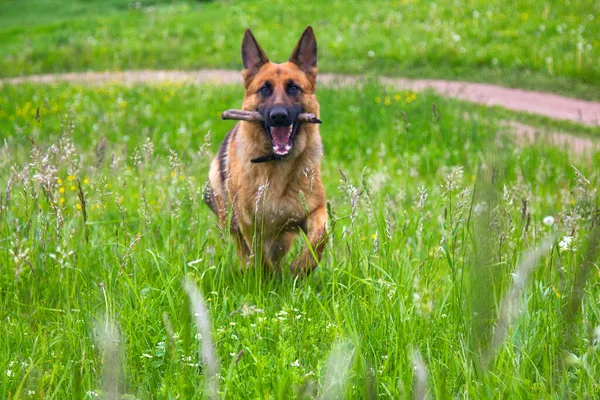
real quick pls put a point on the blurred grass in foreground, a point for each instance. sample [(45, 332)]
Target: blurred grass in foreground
[(411, 190)]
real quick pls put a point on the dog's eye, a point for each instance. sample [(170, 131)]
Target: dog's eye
[(265, 90), (293, 89)]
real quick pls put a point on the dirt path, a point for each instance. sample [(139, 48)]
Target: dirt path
[(527, 134), (545, 104)]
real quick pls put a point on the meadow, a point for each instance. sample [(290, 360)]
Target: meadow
[(459, 264), (427, 284), (549, 46)]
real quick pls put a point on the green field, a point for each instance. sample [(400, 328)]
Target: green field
[(550, 46), (459, 265), (431, 213)]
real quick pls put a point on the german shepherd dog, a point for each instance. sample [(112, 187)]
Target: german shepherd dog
[(265, 181)]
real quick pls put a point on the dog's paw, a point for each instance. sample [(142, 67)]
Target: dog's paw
[(303, 265)]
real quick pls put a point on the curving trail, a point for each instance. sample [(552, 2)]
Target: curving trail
[(546, 104), (540, 103)]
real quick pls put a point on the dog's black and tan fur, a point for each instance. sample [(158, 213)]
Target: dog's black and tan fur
[(267, 174)]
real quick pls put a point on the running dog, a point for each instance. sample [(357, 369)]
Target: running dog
[(265, 181)]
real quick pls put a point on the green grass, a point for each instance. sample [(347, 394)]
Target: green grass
[(420, 263), (551, 46), (39, 12)]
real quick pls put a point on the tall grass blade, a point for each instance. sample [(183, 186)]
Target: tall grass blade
[(207, 346), (421, 376), (582, 273), (110, 344), (510, 306), (338, 368)]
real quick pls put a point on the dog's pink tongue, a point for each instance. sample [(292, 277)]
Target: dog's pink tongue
[(281, 136)]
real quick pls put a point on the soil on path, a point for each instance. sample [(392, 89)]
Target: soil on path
[(546, 104), (540, 103)]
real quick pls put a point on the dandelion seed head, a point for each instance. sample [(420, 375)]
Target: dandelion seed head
[(548, 220)]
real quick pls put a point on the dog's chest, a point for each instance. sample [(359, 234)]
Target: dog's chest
[(279, 201), (280, 210)]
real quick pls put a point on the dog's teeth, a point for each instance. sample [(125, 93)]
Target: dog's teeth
[(287, 147)]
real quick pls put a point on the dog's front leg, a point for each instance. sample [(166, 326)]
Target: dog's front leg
[(317, 236)]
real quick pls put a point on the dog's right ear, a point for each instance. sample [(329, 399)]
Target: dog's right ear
[(253, 57), (305, 53)]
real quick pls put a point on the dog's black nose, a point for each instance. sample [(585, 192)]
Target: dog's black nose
[(278, 115)]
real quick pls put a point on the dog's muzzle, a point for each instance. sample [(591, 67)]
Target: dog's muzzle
[(281, 126)]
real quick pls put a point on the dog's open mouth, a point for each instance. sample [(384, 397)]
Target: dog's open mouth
[(282, 142), (282, 138)]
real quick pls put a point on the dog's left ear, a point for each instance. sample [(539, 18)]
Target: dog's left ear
[(305, 53), (253, 56)]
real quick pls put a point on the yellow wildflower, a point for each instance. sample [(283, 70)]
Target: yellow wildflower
[(410, 97)]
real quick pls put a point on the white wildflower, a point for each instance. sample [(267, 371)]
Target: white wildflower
[(566, 244), (548, 220)]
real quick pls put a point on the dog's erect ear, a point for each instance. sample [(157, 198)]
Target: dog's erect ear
[(305, 53), (253, 57)]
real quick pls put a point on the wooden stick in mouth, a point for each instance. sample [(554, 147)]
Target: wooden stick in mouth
[(254, 116)]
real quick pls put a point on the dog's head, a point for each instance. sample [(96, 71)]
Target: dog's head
[(281, 91)]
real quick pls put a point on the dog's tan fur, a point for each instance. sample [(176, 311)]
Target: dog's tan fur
[(270, 202)]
